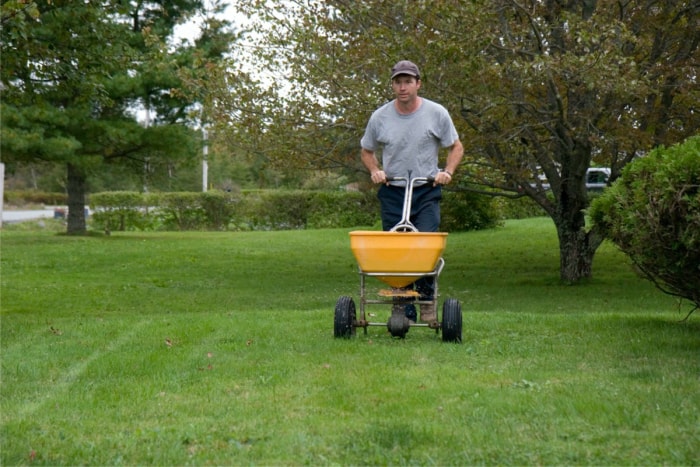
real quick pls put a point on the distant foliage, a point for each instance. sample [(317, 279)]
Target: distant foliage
[(25, 197), (269, 210), (462, 211), (180, 210), (652, 213), (518, 208), (120, 211)]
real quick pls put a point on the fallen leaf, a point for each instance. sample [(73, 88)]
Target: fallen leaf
[(168, 342)]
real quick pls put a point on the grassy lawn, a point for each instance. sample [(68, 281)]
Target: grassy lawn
[(217, 348)]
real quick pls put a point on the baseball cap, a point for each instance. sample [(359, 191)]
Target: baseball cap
[(404, 67)]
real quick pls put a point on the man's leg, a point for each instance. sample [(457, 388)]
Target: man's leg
[(391, 200), (425, 213), (425, 208)]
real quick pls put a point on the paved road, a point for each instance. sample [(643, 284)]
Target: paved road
[(19, 216)]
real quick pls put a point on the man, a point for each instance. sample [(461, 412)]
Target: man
[(409, 131)]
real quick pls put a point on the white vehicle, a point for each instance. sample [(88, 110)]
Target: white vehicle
[(597, 178)]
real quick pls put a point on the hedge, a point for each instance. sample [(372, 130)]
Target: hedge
[(217, 210), (269, 210), (24, 197)]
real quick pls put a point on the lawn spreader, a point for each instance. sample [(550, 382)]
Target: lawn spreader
[(398, 258)]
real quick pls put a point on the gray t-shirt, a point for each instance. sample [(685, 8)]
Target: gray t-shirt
[(409, 142)]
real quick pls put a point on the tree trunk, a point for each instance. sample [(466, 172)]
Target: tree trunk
[(576, 251), (76, 200), (575, 258), (576, 246)]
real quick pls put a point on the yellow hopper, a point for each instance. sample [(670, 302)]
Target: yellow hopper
[(410, 254)]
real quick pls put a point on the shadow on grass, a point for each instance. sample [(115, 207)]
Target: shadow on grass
[(678, 335)]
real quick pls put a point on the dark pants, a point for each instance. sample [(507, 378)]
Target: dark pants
[(425, 216)]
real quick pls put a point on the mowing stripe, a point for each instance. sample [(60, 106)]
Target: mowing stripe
[(64, 383)]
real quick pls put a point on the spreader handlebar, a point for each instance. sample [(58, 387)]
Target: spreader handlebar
[(405, 224), (405, 179)]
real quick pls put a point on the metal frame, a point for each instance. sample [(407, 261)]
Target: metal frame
[(398, 300), (404, 225)]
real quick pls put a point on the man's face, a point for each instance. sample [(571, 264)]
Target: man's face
[(405, 87)]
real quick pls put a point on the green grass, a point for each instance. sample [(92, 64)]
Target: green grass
[(217, 348)]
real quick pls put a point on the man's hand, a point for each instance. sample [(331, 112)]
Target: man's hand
[(443, 178), (378, 176)]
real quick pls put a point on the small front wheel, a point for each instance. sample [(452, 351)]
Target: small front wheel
[(452, 321), (398, 325), (343, 325)]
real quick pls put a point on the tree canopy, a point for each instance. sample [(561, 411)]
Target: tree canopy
[(540, 90), (76, 74)]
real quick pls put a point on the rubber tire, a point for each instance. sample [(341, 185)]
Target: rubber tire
[(452, 321), (345, 317), (398, 325)]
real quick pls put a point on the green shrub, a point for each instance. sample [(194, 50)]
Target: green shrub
[(462, 211), (652, 213), (518, 208), (128, 210), (219, 208), (120, 211), (338, 209), (301, 209), (23, 197), (180, 210), (273, 210), (269, 210)]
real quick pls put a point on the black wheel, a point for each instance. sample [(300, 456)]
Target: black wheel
[(398, 325), (452, 321), (344, 318)]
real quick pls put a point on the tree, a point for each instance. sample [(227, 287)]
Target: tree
[(544, 88), (74, 74), (569, 83)]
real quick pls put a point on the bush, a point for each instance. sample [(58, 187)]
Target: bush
[(301, 209), (129, 210), (180, 210), (462, 211), (518, 208), (219, 208), (269, 210), (23, 197), (652, 213), (342, 209), (120, 210)]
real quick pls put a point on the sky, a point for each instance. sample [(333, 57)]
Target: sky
[(238, 21), (190, 30)]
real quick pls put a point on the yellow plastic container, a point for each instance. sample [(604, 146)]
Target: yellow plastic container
[(404, 252)]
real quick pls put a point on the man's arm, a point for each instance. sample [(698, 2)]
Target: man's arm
[(369, 159), (454, 157)]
